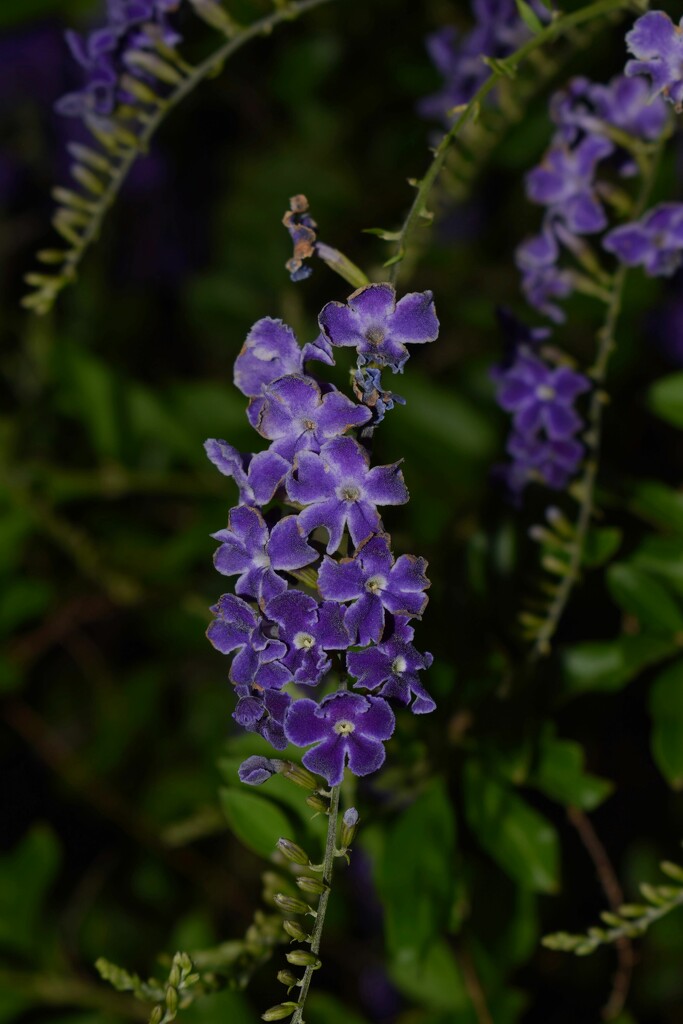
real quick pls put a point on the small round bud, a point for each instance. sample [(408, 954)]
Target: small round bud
[(156, 1015), (292, 851), (257, 770), (290, 904), (287, 978), (294, 929), (349, 827), (172, 1000), (174, 974), (302, 958)]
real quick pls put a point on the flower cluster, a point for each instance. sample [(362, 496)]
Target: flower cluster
[(498, 31), (657, 45), (106, 55), (540, 398), (592, 120), (316, 578)]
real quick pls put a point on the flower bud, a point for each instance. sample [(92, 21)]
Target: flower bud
[(308, 884), (298, 774), (287, 978), (280, 1011), (292, 851), (257, 770), (349, 827), (174, 974), (302, 958), (319, 803), (294, 929), (172, 1000), (156, 1015), (290, 904)]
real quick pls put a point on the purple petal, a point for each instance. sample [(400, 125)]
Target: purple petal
[(415, 320), (303, 725), (385, 485), (287, 548)]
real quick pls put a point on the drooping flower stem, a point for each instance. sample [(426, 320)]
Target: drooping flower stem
[(504, 68), (584, 488), (328, 868)]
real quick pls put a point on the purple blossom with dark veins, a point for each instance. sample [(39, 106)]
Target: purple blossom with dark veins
[(250, 551), (541, 397), (657, 45), (257, 476), (394, 666), (339, 489), (379, 327), (374, 583), (239, 630), (655, 242), (263, 712), (310, 630), (564, 181), (295, 415), (271, 351), (344, 727)]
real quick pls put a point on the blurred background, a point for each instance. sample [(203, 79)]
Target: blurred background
[(123, 833)]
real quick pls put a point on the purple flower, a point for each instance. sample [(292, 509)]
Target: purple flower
[(249, 551), (310, 630), (552, 463), (238, 628), (368, 388), (263, 712), (256, 770), (374, 583), (540, 396), (344, 727), (394, 666), (271, 351), (655, 242), (257, 476), (295, 415), (588, 107), (339, 489), (657, 45), (542, 280), (378, 327), (564, 182)]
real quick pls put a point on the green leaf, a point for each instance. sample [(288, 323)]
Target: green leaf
[(663, 557), (516, 836), (255, 820), (601, 544), (608, 665), (666, 709), (93, 393), (221, 1006), (529, 17), (658, 504), (435, 981), (26, 873), (415, 876), (322, 1008), (665, 399), (641, 595), (559, 773)]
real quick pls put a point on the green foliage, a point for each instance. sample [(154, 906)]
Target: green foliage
[(665, 398), (666, 710), (256, 821), (26, 874)]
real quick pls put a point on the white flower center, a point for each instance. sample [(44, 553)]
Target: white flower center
[(304, 641), (343, 727), (375, 335), (399, 665), (375, 584), (545, 393), (308, 424), (348, 492), (261, 560)]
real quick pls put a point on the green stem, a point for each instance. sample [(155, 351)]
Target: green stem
[(328, 866), (212, 65), (469, 112)]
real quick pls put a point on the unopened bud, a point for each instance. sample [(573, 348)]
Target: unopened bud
[(156, 1015), (349, 827), (172, 999), (298, 774), (287, 978), (280, 1011), (308, 884), (294, 929), (290, 904), (174, 974), (292, 851), (302, 958), (319, 803)]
